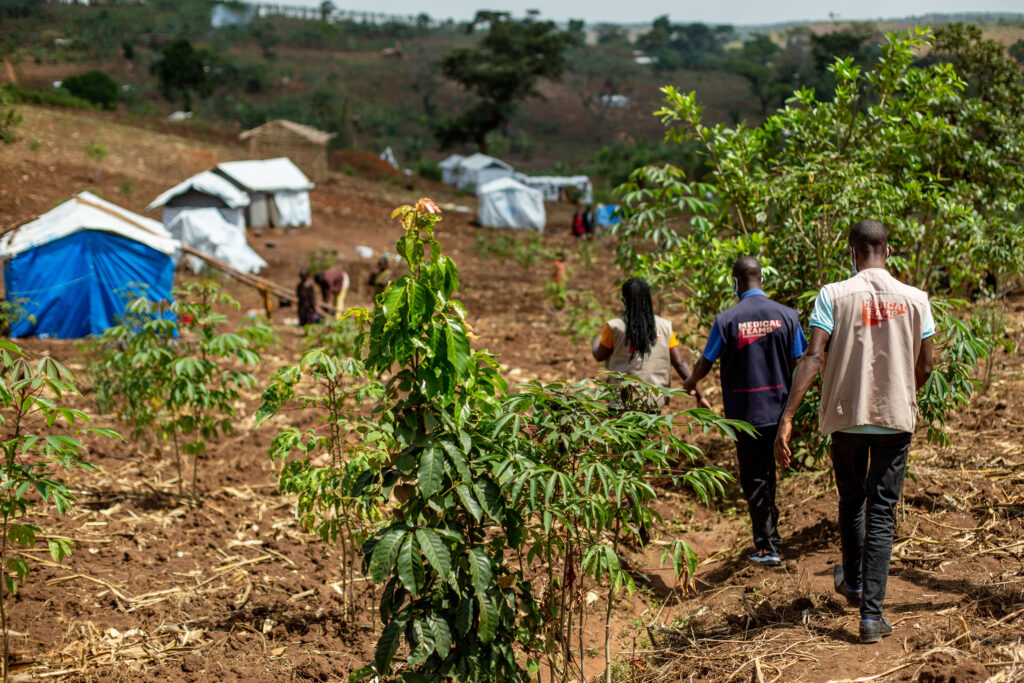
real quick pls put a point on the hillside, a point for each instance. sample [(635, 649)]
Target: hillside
[(378, 84)]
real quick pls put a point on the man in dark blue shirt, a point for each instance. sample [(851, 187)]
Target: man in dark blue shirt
[(758, 342)]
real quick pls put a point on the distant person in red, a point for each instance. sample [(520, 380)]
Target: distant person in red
[(577, 224), (334, 284), (307, 299)]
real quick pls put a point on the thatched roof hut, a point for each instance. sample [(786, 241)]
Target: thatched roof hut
[(304, 145)]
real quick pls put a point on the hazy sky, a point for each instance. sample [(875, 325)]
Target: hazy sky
[(637, 11)]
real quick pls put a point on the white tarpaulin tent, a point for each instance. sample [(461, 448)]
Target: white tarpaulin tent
[(554, 187), (450, 168), (506, 203), (477, 170), (206, 230), (204, 190), (277, 189)]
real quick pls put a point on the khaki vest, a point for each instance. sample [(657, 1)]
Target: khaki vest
[(868, 377), (654, 368)]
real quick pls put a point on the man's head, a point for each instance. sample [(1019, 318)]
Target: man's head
[(303, 273), (869, 241), (746, 274), (382, 262)]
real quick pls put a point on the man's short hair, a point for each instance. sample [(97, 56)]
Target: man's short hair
[(746, 266), (868, 236)]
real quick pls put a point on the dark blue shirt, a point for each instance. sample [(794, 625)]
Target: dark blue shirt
[(758, 341)]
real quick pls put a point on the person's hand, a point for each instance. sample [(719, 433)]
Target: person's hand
[(690, 386), (783, 455), (703, 402)]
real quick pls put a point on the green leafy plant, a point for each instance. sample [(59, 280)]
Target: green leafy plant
[(333, 455), (95, 87), (896, 142), (172, 371), (478, 483), (10, 118), (96, 153), (581, 465), (33, 399)]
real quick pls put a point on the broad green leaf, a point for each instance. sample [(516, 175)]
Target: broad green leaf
[(480, 570), (435, 551), (488, 621), (388, 642), (469, 501), (431, 471), (383, 558)]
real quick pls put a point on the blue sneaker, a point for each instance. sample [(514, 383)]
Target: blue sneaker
[(852, 595), (767, 558)]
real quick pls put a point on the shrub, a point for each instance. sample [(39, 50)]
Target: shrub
[(93, 86)]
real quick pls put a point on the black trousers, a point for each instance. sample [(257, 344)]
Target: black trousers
[(869, 471), (756, 455)]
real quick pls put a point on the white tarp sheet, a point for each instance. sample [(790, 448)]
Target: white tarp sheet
[(506, 203), (88, 212), (477, 170), (552, 186), (267, 175), (293, 209), (233, 216), (450, 168), (206, 230), (207, 183)]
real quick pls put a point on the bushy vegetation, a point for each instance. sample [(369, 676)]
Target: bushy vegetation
[(471, 483), (94, 87), (898, 142), (172, 371)]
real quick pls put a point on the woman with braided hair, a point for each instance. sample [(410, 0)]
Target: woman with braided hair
[(642, 345)]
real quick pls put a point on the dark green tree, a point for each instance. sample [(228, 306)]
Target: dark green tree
[(95, 87), (758, 62), (685, 46), (500, 72), (181, 71), (1017, 51)]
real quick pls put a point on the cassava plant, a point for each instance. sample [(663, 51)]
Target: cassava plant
[(582, 465), (33, 412), (174, 372), (331, 455)]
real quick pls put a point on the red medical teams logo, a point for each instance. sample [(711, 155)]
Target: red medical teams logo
[(878, 312), (751, 331)]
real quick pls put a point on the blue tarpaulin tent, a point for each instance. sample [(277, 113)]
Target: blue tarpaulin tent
[(75, 268), (607, 214)]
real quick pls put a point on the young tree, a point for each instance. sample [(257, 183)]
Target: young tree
[(33, 399), (898, 143), (181, 71), (500, 72)]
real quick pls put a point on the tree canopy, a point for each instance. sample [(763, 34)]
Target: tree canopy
[(501, 71), (181, 71)]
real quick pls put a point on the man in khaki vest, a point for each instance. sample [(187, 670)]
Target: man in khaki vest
[(871, 340)]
